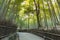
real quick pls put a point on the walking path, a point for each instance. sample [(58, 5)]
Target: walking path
[(28, 36)]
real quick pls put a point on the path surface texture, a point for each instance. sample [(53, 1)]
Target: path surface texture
[(28, 36)]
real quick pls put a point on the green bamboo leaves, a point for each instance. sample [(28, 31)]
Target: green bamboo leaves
[(31, 13)]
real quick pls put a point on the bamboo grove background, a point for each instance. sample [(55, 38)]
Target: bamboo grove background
[(31, 14)]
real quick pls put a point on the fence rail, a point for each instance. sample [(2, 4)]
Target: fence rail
[(44, 34), (5, 31)]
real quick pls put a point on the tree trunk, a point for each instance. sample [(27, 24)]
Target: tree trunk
[(37, 5), (28, 21)]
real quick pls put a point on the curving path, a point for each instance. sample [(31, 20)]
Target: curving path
[(28, 36)]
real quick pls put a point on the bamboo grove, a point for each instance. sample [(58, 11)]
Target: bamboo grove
[(29, 14)]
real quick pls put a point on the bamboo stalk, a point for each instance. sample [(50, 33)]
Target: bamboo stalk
[(50, 13), (53, 13), (45, 18)]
